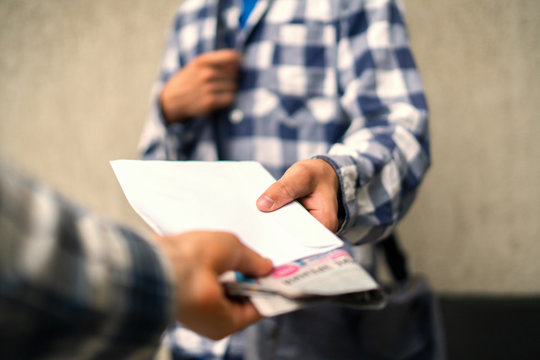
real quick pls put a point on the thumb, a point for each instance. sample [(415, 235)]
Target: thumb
[(278, 195)]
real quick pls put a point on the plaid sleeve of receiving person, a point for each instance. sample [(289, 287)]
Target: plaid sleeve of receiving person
[(72, 285)]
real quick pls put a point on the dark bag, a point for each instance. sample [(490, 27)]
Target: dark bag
[(409, 327)]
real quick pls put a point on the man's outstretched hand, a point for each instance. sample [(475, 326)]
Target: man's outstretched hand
[(314, 183)]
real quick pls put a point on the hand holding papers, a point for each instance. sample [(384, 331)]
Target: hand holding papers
[(175, 197), (330, 277)]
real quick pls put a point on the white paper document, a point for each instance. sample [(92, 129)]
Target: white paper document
[(179, 196)]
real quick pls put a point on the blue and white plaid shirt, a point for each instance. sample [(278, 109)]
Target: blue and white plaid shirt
[(319, 78), (333, 79), (73, 286)]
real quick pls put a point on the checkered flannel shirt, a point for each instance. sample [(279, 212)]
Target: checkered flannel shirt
[(333, 79), (73, 286)]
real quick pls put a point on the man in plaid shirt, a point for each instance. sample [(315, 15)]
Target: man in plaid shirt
[(324, 93), (74, 286)]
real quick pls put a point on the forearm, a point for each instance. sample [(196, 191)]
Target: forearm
[(385, 152), (162, 138), (377, 183), (156, 142), (69, 279)]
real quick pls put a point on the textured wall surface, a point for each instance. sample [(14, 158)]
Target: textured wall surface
[(74, 84), (476, 226)]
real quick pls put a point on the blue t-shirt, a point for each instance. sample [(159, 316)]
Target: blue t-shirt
[(248, 6)]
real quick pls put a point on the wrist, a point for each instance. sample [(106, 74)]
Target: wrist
[(171, 110)]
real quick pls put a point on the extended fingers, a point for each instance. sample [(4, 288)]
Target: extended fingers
[(224, 58), (205, 308), (231, 317), (323, 210), (231, 254)]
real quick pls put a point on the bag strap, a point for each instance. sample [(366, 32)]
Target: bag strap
[(219, 40), (395, 258)]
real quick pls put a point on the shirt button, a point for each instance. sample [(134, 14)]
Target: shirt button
[(236, 116)]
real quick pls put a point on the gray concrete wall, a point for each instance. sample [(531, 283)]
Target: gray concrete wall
[(74, 85), (476, 226)]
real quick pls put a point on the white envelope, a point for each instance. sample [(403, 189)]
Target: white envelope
[(179, 196)]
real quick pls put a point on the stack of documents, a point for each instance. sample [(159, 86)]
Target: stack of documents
[(310, 266)]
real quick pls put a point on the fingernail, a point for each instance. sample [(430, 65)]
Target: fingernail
[(265, 202)]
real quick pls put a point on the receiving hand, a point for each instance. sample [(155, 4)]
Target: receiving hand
[(314, 183), (206, 84), (198, 259)]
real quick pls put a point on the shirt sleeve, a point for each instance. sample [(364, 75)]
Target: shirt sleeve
[(73, 285), (159, 140), (385, 151)]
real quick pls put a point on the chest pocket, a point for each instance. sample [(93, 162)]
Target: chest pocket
[(303, 59), (302, 72)]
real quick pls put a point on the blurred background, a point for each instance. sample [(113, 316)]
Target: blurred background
[(75, 80)]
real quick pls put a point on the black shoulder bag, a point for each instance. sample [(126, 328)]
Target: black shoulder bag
[(410, 326)]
